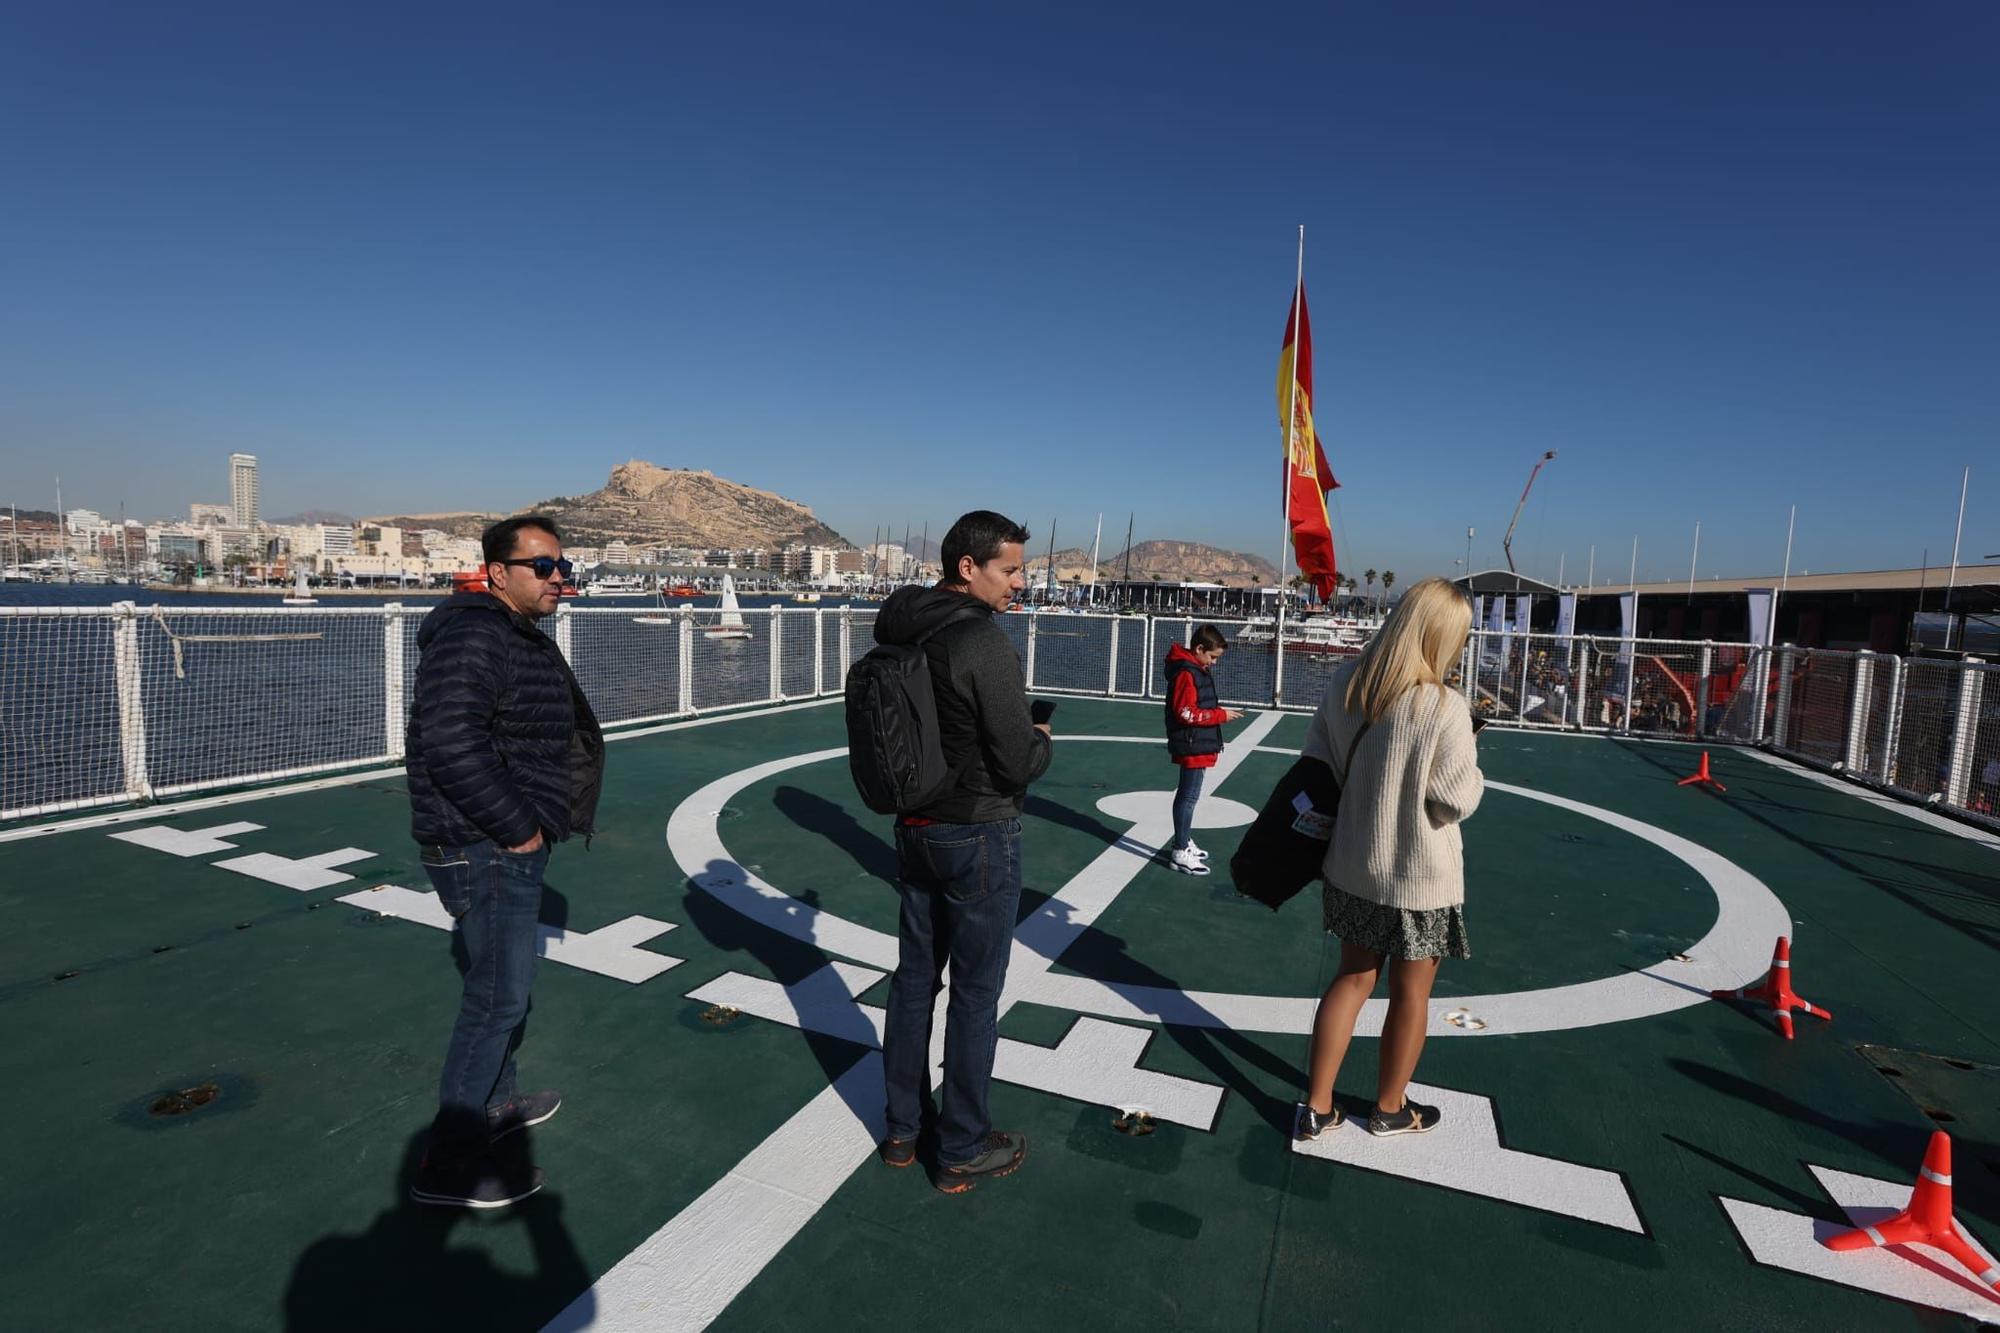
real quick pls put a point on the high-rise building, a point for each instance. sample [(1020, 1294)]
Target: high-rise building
[(243, 490)]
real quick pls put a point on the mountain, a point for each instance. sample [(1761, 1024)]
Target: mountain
[(1164, 561), (308, 516), (646, 504)]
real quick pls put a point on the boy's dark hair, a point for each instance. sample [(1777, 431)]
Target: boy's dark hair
[(497, 542), (1210, 638), (979, 534)]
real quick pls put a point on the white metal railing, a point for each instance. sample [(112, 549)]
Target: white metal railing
[(107, 705)]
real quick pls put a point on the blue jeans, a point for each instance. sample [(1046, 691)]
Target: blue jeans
[(495, 896), (1185, 796), (961, 889)]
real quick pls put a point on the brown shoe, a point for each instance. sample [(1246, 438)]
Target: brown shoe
[(1000, 1155)]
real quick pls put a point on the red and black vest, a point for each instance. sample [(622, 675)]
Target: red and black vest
[(1182, 739)]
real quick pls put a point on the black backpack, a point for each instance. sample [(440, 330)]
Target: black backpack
[(893, 745)]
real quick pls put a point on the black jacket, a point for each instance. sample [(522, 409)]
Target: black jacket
[(501, 741), (993, 749)]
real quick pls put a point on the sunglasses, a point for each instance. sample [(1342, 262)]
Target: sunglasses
[(544, 566)]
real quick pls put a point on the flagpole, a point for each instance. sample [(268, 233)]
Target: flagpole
[(1291, 437), (1784, 579), (1958, 532)]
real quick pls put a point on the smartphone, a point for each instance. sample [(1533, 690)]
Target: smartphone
[(1479, 720), (1040, 711)]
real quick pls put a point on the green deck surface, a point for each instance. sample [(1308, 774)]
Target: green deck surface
[(323, 1025)]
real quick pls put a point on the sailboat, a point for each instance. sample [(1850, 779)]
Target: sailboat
[(301, 591), (730, 625)]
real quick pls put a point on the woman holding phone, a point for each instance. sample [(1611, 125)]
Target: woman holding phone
[(1400, 743)]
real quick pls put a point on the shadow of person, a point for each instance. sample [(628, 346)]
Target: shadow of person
[(832, 821), (765, 933), (403, 1272), (1218, 1048)]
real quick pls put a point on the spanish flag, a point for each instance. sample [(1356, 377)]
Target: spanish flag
[(1308, 478)]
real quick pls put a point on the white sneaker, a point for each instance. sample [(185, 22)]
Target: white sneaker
[(1185, 861), (1195, 851)]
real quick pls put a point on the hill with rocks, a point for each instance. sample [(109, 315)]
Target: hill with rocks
[(645, 504), (1164, 562)]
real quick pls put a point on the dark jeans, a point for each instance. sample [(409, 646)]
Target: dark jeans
[(961, 888), (1185, 796), (496, 898)]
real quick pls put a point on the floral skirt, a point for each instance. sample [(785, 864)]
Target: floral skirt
[(1396, 932)]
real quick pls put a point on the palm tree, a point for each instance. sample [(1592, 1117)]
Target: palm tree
[(1369, 574), (1388, 582)]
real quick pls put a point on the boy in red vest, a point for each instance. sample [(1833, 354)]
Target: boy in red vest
[(1194, 735)]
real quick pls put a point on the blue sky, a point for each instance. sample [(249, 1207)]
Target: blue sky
[(896, 262)]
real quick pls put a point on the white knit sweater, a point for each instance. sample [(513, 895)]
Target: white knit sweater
[(1416, 775)]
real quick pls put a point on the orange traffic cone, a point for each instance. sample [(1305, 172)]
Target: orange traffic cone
[(1776, 988), (1702, 776), (1927, 1221)]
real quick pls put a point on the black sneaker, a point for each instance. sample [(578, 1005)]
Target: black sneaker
[(523, 1110), (898, 1152), (1412, 1119), (1000, 1155), (1308, 1123), (480, 1183)]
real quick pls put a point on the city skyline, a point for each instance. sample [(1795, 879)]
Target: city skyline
[(1602, 568)]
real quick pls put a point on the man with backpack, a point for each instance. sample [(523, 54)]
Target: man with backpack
[(940, 732)]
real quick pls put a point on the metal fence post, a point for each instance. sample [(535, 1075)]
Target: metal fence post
[(395, 709), (1278, 643), (1521, 699), (687, 660), (1760, 692), (1781, 723), (1707, 666), (819, 653), (777, 662), (131, 700), (1583, 686), (564, 627), (846, 639), (1892, 727), (1146, 667), (1858, 685), (1032, 619), (1958, 778), (1111, 676)]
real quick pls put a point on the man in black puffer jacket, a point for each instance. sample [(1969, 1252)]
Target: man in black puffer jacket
[(959, 857), (504, 759)]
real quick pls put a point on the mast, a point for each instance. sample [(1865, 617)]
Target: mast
[(1128, 552), (1094, 542), (1049, 588), (62, 534), (1958, 532)]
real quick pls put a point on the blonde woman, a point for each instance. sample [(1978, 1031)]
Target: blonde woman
[(1400, 743)]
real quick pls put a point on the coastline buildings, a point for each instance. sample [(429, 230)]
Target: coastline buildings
[(231, 543)]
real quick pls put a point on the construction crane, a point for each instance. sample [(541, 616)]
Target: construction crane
[(1507, 542)]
